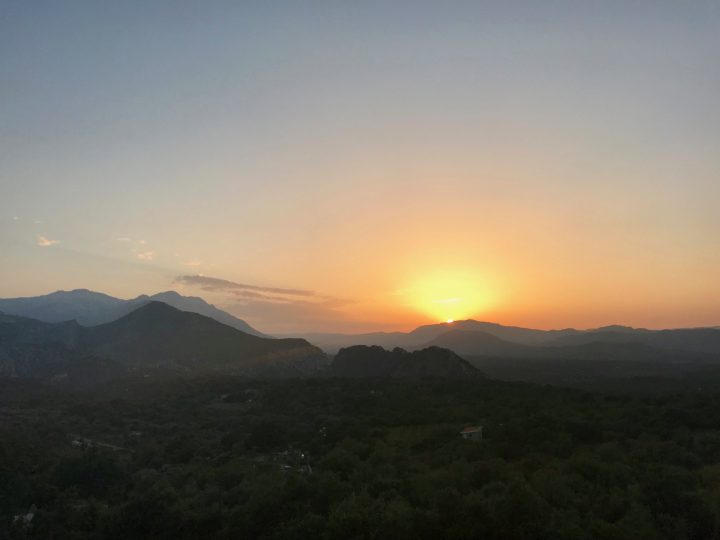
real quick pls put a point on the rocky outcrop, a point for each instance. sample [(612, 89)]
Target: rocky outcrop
[(374, 361)]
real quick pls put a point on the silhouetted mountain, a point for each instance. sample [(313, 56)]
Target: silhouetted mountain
[(374, 361), (695, 340), (159, 335), (666, 346), (14, 329), (617, 328), (195, 304), (88, 308), (30, 348), (591, 364), (515, 334), (466, 342), (425, 334), (153, 336), (91, 308)]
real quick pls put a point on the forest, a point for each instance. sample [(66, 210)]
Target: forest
[(232, 457)]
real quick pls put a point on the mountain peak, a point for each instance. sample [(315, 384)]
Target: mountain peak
[(615, 328), (157, 333), (155, 306), (375, 361), (79, 292), (169, 294)]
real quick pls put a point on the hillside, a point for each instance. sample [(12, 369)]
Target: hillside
[(374, 361), (195, 304), (34, 349), (466, 342), (159, 335)]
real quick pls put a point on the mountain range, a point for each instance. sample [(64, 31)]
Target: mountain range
[(153, 336), (476, 338), (423, 334), (91, 308), (88, 334)]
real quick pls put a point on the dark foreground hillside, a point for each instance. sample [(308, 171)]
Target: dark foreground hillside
[(364, 361), (354, 458)]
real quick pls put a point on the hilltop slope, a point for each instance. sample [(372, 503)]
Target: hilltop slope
[(158, 334)]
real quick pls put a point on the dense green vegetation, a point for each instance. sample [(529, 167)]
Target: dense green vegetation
[(362, 458)]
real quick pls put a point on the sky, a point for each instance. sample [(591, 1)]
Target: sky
[(358, 166)]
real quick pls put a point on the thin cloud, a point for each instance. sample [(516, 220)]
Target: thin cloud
[(46, 242), (124, 239), (244, 292), (193, 263), (271, 305), (145, 255), (252, 295), (216, 284)]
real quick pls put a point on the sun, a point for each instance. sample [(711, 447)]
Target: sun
[(450, 296)]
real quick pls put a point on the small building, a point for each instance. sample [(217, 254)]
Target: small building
[(26, 519), (472, 433)]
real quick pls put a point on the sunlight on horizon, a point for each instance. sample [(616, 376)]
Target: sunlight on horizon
[(449, 296)]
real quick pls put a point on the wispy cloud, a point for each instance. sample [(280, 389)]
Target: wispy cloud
[(216, 284), (46, 242), (145, 255), (245, 292), (194, 263), (280, 307), (124, 239)]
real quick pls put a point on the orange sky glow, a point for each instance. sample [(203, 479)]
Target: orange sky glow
[(356, 169)]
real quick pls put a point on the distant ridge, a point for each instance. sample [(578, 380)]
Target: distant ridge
[(465, 342), (480, 344), (90, 308), (475, 337)]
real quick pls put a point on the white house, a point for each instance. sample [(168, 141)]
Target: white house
[(472, 433)]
